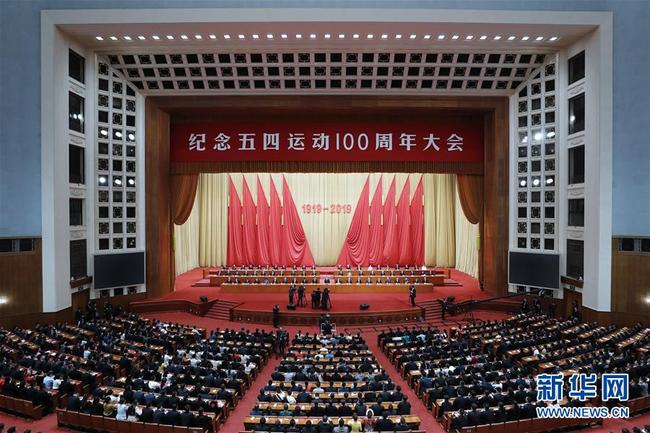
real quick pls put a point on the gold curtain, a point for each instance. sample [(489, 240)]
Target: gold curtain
[(439, 220), (205, 230), (470, 192), (467, 241), (182, 195)]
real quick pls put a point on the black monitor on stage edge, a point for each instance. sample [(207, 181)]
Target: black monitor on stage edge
[(118, 270), (534, 269)]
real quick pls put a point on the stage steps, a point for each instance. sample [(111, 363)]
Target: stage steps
[(432, 310), (221, 309)]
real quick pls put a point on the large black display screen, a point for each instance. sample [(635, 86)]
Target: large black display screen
[(118, 270), (536, 270)]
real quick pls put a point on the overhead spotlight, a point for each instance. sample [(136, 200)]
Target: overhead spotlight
[(327, 35), (413, 36), (539, 38), (102, 179), (341, 35), (427, 37), (469, 37), (483, 37), (537, 136), (118, 134), (99, 38), (155, 37), (525, 38), (298, 36), (496, 38), (370, 36), (142, 38), (117, 181), (553, 38), (398, 36), (454, 37), (213, 36), (549, 181), (550, 134), (3, 300), (441, 37), (312, 36), (511, 38), (384, 36), (647, 299), (535, 182), (226, 36), (522, 182), (131, 136), (256, 36), (131, 181), (113, 38), (170, 37), (355, 36), (283, 36), (269, 36), (240, 36), (184, 37), (199, 37), (103, 132)]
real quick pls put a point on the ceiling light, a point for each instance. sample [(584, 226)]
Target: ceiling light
[(142, 38), (213, 36), (117, 181), (511, 38), (522, 182), (298, 36), (226, 36), (454, 37), (3, 300), (370, 36), (283, 35), (255, 36), (198, 37), (427, 36), (99, 38), (131, 136), (553, 38), (525, 38), (413, 36), (102, 179), (549, 181), (113, 38), (327, 36), (469, 37), (131, 181), (241, 36), (155, 37), (483, 37), (384, 36), (647, 299), (572, 118), (170, 37), (312, 36), (184, 37), (398, 36), (550, 134), (537, 136), (118, 134), (341, 35), (269, 36), (441, 37), (539, 38), (355, 36), (496, 38), (535, 182)]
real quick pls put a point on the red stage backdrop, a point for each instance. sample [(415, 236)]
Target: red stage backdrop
[(327, 141)]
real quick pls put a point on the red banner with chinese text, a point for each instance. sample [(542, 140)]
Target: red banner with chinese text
[(327, 141)]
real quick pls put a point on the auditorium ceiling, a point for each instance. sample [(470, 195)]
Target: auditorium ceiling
[(343, 56)]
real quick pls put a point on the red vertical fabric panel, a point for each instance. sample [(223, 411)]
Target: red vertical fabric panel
[(417, 224), (376, 244), (249, 226), (235, 242), (296, 246), (391, 246), (262, 227), (355, 247), (404, 225), (275, 227)]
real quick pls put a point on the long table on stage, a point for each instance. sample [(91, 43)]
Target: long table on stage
[(334, 288), (219, 280)]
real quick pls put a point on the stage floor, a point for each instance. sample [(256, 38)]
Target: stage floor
[(462, 287)]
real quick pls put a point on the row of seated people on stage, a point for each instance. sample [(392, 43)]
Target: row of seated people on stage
[(485, 373), (347, 270), (131, 368), (330, 383), (328, 280)]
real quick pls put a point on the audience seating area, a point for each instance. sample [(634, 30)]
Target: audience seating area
[(129, 374), (480, 377), (327, 381)]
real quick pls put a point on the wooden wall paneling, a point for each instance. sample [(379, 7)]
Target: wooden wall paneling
[(21, 282), (80, 299), (630, 281), (158, 205)]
